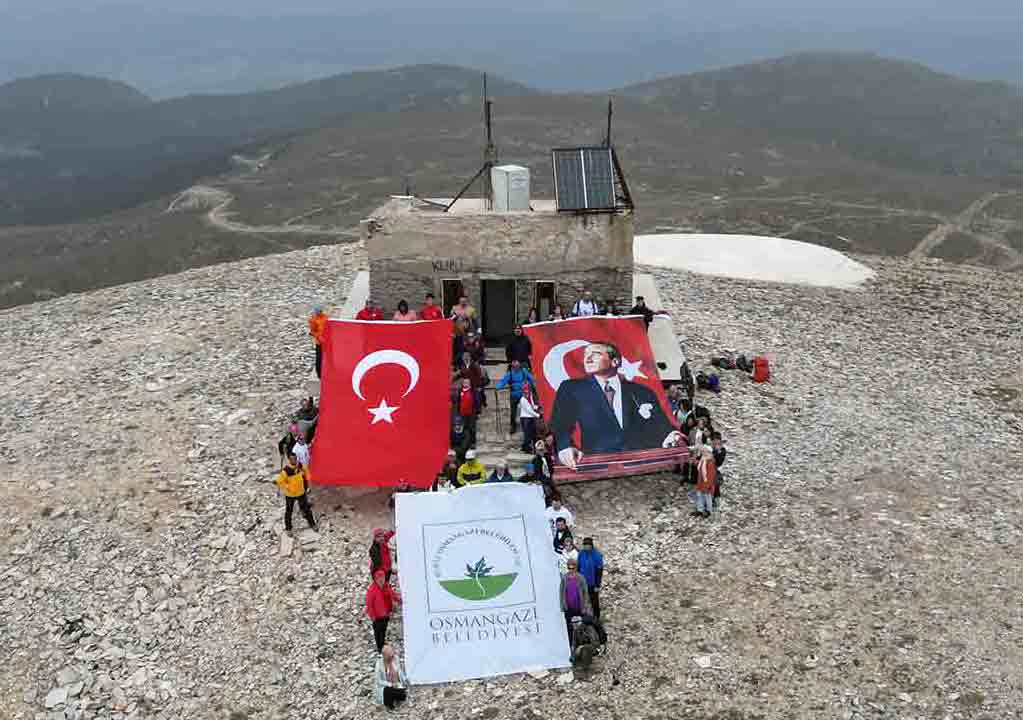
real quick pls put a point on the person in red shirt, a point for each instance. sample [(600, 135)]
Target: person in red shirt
[(468, 405), (380, 553), (430, 311), (370, 312), (380, 600), (318, 329)]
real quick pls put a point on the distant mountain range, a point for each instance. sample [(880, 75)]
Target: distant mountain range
[(850, 150)]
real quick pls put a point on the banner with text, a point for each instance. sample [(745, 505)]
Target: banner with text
[(603, 399), (479, 583)]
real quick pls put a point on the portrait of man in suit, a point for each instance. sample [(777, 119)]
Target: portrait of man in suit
[(613, 414)]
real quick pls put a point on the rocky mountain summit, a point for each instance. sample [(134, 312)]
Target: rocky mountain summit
[(865, 563)]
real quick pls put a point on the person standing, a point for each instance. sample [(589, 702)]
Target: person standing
[(390, 686), (640, 308), (467, 401), (318, 331), (585, 306), (301, 450), (292, 482), (591, 567), (380, 601), (529, 413), (575, 595), (557, 510), (403, 314), (464, 311), (720, 453), (519, 348), (370, 312), (380, 553), (516, 379), (287, 443), (705, 483), (430, 311)]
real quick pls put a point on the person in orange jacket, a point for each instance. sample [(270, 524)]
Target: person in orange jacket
[(318, 329), (380, 600)]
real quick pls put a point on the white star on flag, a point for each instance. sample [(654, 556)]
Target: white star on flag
[(631, 370), (382, 412)]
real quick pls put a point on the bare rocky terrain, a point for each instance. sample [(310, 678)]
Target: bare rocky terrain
[(865, 563)]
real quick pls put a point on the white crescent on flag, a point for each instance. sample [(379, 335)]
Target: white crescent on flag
[(554, 362), (385, 357)]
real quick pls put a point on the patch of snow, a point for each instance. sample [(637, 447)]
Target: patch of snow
[(751, 257)]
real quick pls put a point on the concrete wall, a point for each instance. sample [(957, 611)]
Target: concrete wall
[(411, 252)]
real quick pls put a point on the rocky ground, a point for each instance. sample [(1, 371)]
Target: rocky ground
[(865, 564)]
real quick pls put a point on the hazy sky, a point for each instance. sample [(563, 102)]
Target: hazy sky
[(861, 11)]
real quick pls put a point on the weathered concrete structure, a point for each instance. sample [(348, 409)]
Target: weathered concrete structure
[(506, 262)]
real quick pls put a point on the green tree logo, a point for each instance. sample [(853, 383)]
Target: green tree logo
[(478, 583)]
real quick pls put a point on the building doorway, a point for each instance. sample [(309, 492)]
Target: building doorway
[(450, 290), (498, 305), (546, 299)]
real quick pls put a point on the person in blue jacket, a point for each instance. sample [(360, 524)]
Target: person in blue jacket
[(515, 379), (591, 567)]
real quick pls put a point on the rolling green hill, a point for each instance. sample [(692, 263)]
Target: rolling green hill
[(851, 151), (105, 147)]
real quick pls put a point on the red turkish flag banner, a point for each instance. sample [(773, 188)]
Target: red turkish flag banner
[(384, 403), (603, 399)]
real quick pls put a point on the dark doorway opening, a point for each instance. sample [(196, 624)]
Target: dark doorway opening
[(451, 290), (546, 298), (498, 305)]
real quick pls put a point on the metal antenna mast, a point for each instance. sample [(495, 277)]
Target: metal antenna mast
[(610, 112), (489, 157)]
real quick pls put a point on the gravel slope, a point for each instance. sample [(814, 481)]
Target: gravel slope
[(865, 564)]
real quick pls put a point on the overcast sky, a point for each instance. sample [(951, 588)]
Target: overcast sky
[(860, 12)]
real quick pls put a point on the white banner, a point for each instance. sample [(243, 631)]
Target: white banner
[(479, 583)]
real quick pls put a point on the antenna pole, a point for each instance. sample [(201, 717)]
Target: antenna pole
[(490, 152), (610, 112)]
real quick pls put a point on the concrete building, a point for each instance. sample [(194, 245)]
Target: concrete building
[(506, 261)]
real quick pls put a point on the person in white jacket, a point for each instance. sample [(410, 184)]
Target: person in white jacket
[(390, 687)]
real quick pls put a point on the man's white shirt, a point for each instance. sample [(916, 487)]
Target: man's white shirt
[(616, 383)]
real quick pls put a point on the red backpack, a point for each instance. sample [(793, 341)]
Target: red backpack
[(761, 369)]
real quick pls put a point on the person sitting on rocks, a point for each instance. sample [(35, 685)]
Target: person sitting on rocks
[(472, 471), (380, 553), (380, 601), (403, 314), (390, 686), (561, 532), (519, 348), (371, 312), (287, 443), (292, 482), (501, 473), (445, 480), (430, 311), (306, 418), (591, 567), (516, 380)]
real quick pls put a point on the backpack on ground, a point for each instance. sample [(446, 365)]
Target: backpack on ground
[(761, 369), (714, 383)]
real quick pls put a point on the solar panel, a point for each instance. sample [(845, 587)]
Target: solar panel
[(584, 179)]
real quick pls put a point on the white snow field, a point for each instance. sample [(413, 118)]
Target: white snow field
[(751, 257)]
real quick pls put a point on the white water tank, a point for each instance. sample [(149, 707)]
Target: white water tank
[(511, 187)]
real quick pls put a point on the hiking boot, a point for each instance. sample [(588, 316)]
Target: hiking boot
[(695, 513)]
